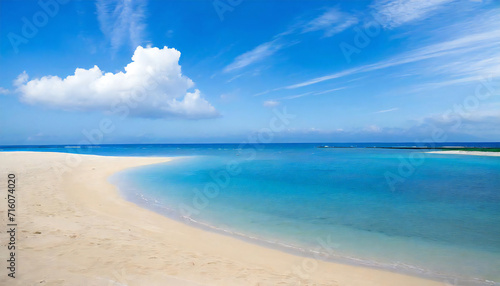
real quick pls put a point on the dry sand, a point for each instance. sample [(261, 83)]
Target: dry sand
[(75, 229), (475, 153)]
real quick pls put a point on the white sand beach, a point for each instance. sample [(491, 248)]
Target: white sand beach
[(75, 229), (475, 153)]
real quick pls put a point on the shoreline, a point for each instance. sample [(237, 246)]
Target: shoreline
[(102, 239), (303, 252), (473, 153)]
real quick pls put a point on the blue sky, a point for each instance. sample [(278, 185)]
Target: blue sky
[(137, 71)]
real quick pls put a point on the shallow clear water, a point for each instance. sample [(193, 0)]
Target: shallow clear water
[(441, 218), (437, 215)]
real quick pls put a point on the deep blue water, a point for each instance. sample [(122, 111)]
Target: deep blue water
[(204, 149), (430, 214)]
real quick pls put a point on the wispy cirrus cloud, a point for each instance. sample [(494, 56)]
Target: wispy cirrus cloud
[(257, 54), (394, 13), (474, 54), (387, 110), (122, 22), (331, 22), (463, 73), (313, 93)]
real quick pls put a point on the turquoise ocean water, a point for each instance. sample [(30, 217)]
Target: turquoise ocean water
[(427, 214)]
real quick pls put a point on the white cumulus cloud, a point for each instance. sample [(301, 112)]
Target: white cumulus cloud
[(152, 86)]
